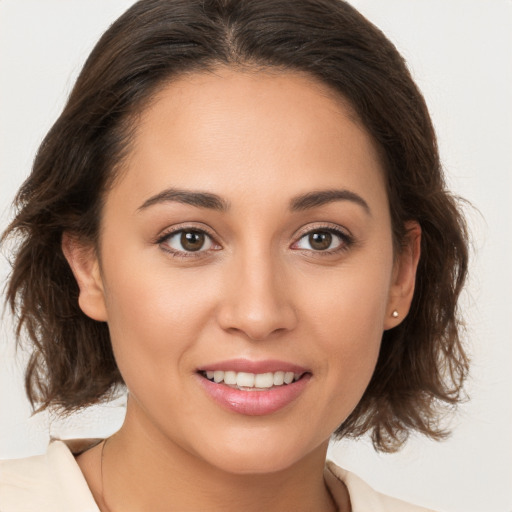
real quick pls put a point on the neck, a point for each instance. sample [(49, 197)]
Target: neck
[(143, 471)]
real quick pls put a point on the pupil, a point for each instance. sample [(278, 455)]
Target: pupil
[(192, 240), (320, 241)]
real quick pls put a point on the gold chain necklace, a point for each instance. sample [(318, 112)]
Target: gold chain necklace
[(103, 501)]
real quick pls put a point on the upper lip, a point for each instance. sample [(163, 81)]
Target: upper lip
[(249, 366)]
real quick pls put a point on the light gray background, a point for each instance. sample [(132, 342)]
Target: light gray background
[(460, 52)]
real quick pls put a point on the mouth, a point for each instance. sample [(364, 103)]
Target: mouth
[(246, 381), (253, 388)]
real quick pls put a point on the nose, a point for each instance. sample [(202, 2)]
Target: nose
[(257, 299)]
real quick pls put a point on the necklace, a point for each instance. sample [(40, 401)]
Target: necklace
[(103, 501)]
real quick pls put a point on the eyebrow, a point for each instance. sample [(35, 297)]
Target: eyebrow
[(214, 202), (193, 198), (321, 197)]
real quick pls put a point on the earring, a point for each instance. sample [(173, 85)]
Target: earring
[(394, 314)]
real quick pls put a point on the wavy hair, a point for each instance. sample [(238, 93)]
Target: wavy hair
[(422, 364)]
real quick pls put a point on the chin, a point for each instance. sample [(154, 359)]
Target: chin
[(254, 465), (257, 457)]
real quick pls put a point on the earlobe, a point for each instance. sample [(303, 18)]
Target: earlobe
[(84, 264), (404, 276)]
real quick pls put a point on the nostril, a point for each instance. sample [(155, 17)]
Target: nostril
[(257, 327), (255, 300)]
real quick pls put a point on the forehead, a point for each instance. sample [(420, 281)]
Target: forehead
[(236, 131)]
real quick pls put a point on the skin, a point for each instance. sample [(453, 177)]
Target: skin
[(258, 291)]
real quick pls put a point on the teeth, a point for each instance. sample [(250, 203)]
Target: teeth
[(244, 380), (278, 378), (252, 380), (230, 378), (264, 380)]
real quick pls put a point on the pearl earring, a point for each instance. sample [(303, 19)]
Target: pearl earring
[(394, 314)]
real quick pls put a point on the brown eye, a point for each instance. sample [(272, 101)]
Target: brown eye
[(323, 240), (320, 241), (192, 240), (188, 240)]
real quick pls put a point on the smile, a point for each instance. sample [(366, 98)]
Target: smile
[(253, 388), (252, 381)]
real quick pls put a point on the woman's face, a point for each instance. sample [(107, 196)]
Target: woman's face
[(248, 238)]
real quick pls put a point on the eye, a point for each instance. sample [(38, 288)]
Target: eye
[(188, 240), (328, 240)]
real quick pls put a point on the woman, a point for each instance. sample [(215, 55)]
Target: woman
[(241, 216)]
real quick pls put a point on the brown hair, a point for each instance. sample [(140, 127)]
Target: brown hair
[(422, 365)]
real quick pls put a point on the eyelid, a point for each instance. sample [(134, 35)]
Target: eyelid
[(347, 238), (323, 226), (343, 233), (186, 226)]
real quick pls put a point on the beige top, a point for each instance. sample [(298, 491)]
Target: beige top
[(53, 482)]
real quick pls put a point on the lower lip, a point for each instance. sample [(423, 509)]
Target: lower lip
[(254, 403)]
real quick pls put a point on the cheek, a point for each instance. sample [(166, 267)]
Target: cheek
[(351, 336), (347, 314), (350, 303), (154, 315)]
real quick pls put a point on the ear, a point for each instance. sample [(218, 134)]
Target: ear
[(404, 276), (84, 264)]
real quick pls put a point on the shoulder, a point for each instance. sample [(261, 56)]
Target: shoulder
[(49, 482), (362, 497)]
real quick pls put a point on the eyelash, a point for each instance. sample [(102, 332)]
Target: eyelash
[(165, 237), (345, 239)]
